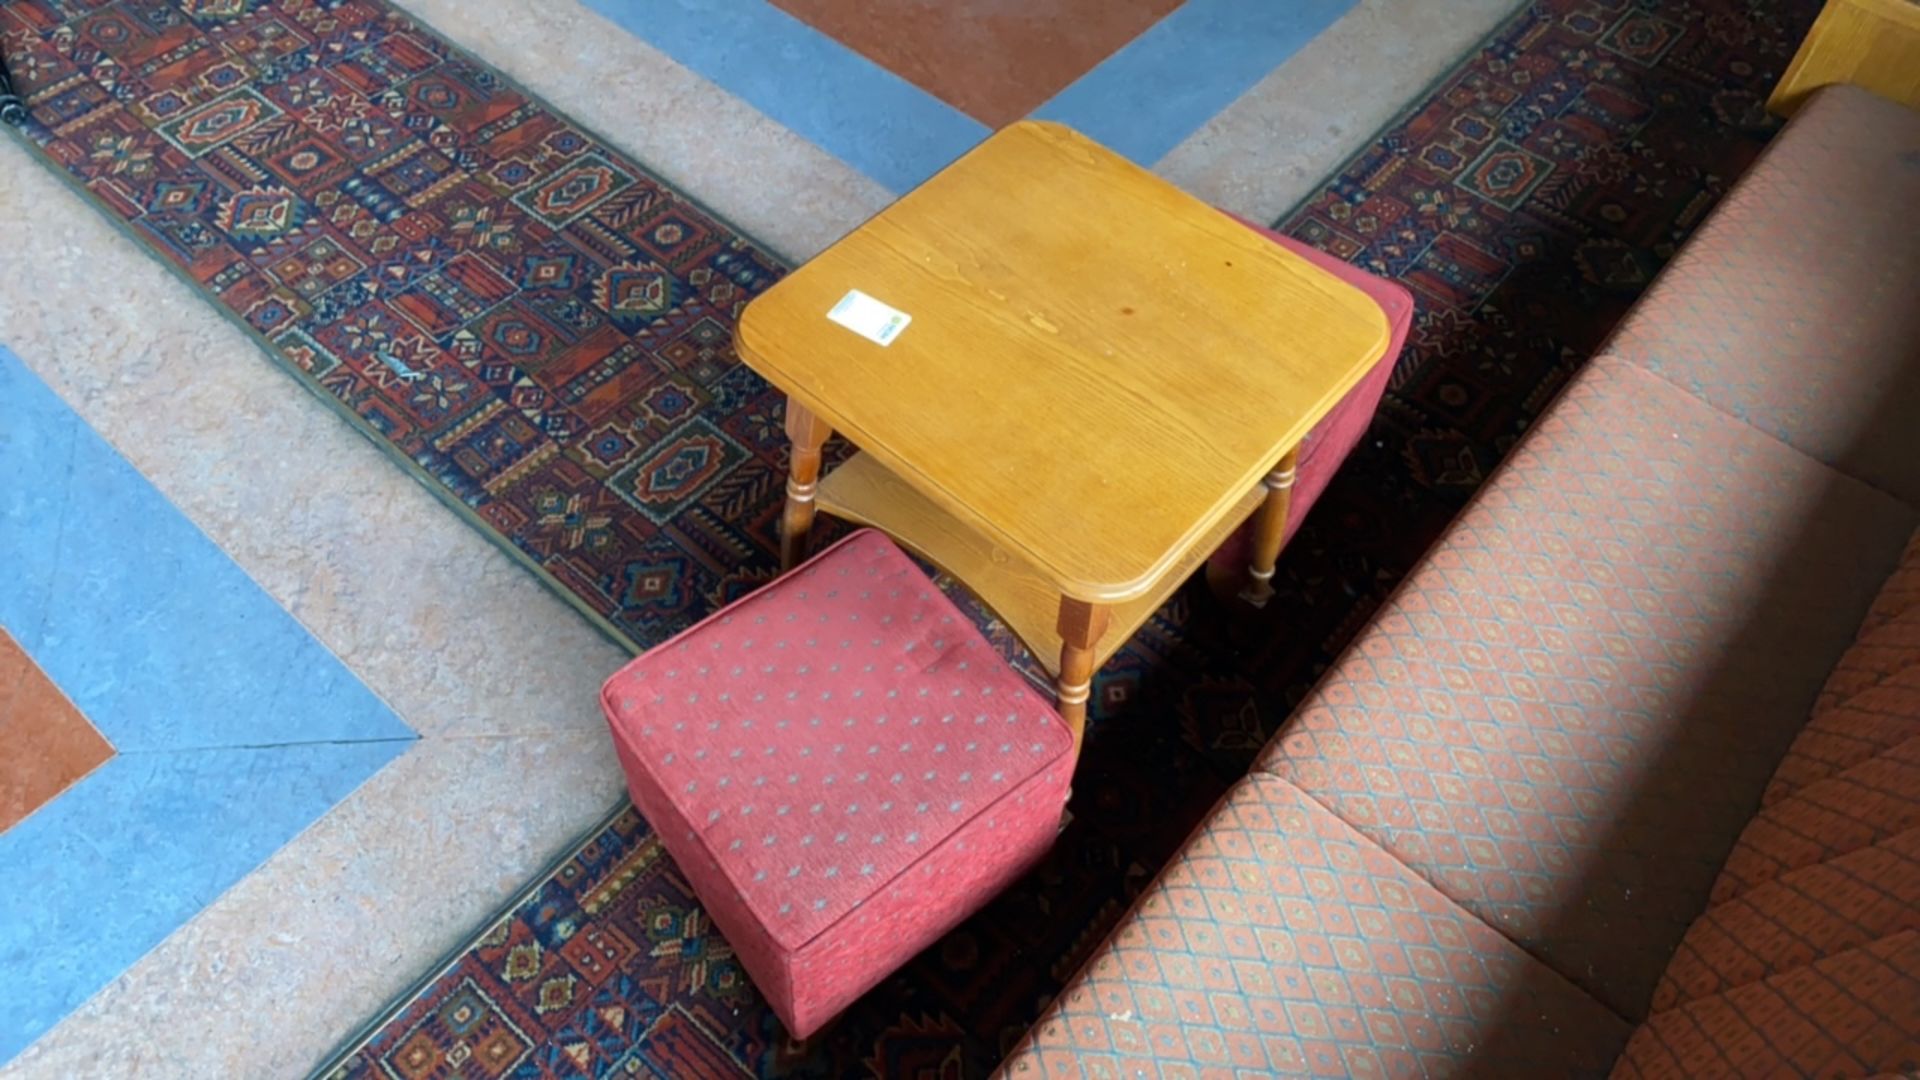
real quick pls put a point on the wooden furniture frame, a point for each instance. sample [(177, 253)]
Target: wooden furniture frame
[(1103, 377), (1874, 44)]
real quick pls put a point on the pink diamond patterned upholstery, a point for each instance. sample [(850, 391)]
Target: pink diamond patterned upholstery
[(1873, 721), (1871, 703), (843, 768), (1282, 942), (1566, 724), (1792, 306), (1326, 447), (1567, 713), (1808, 961)]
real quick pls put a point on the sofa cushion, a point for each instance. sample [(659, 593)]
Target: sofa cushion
[(1855, 1013), (1901, 594), (1567, 713), (1279, 941), (1793, 307), (1871, 702), (1856, 808), (1842, 736), (1844, 902), (843, 768), (1829, 868), (1885, 660)]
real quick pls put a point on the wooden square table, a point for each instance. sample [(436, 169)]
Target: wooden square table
[(1102, 378)]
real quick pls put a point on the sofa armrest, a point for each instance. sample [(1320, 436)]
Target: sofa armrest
[(1873, 44)]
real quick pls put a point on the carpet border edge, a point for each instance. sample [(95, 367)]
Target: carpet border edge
[(359, 1037)]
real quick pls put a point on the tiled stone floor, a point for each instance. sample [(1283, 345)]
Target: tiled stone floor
[(495, 674)]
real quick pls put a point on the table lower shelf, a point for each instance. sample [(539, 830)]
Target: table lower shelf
[(865, 492)]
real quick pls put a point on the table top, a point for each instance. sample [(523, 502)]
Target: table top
[(1098, 366)]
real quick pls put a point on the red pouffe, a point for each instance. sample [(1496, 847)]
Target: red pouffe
[(1326, 447), (843, 769)]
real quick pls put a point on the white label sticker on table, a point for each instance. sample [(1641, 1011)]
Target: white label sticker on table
[(869, 318)]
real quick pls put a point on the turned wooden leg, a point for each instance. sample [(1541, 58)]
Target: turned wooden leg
[(1269, 528), (1081, 627), (808, 434), (1226, 580)]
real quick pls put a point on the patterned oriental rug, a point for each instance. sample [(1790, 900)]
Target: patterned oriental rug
[(540, 330)]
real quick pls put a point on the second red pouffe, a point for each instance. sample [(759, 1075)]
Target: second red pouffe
[(844, 770), (1326, 447)]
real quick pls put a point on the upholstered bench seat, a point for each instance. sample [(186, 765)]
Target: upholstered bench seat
[(1791, 309), (843, 768)]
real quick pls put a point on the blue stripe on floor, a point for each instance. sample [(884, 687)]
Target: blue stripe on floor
[(1142, 101), (849, 106), (233, 729), (1167, 83)]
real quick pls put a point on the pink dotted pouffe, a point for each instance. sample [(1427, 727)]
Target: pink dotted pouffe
[(843, 769)]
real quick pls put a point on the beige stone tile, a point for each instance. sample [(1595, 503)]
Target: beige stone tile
[(49, 744), (775, 185), (296, 956), (463, 643), (1266, 151)]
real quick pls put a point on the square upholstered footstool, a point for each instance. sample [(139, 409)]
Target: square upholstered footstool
[(843, 769)]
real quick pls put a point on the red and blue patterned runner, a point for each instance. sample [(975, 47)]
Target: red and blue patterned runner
[(532, 321)]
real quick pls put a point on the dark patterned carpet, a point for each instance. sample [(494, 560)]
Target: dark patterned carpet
[(540, 329)]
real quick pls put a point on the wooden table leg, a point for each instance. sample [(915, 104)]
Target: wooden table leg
[(808, 434), (1269, 529), (1081, 627)]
